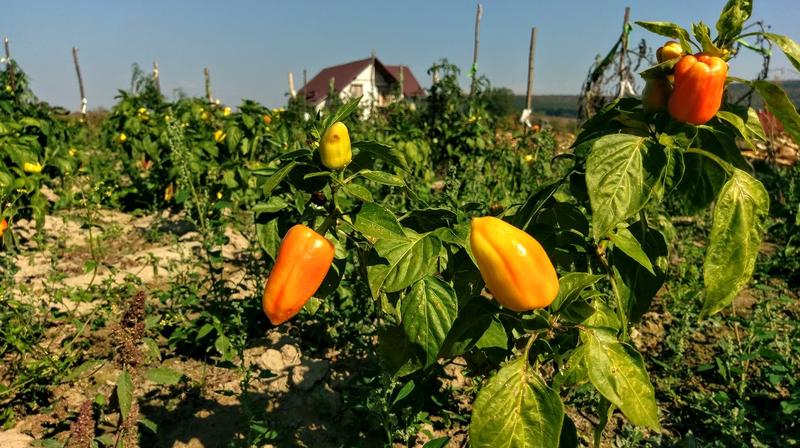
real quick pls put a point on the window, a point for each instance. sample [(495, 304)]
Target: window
[(356, 90)]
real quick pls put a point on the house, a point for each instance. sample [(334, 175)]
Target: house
[(377, 83)]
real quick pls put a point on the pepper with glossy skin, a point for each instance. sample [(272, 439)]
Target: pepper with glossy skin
[(513, 264), (302, 264), (670, 50), (335, 150), (3, 226), (699, 84)]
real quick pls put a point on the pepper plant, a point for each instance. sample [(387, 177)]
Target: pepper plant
[(420, 267)]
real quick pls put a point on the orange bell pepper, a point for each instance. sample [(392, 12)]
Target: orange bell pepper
[(513, 264), (699, 84), (302, 264)]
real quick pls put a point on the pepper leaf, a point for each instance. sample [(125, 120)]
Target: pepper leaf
[(374, 221), (428, 311), (624, 240), (671, 30), (789, 47), (637, 285), (732, 19), (780, 106), (400, 262), (622, 172), (516, 409), (617, 372), (570, 286), (739, 215)]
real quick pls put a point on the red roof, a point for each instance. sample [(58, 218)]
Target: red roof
[(317, 89), (410, 85)]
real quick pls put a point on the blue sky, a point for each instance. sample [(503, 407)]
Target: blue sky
[(250, 46)]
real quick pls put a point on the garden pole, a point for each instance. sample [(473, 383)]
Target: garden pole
[(9, 65), (624, 51), (84, 102), (292, 92), (207, 75), (155, 77), (529, 92), (474, 69)]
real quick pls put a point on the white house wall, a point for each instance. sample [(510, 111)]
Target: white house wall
[(370, 89)]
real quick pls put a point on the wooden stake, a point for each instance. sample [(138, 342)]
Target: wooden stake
[(624, 51), (292, 93), (474, 69), (208, 84), (84, 102), (155, 77), (402, 82), (529, 92), (9, 66)]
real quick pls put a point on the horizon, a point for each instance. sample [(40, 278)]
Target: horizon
[(238, 45)]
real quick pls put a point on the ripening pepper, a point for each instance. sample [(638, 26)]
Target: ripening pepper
[(699, 84), (670, 50), (335, 149), (655, 95), (302, 264), (219, 136), (33, 168), (3, 226), (513, 264)]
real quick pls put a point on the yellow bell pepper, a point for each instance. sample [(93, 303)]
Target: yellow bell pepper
[(515, 267), (335, 149)]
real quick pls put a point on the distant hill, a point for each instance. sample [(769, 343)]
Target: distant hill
[(567, 105)]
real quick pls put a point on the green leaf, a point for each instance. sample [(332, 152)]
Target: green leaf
[(224, 347), (739, 219), (576, 371), (670, 30), (789, 47), (428, 312), (570, 286), (516, 409), (441, 442), (740, 125), (534, 204), (494, 337), (622, 171), (732, 19), (404, 392), (164, 376), (269, 237), (624, 240), (703, 35), (636, 285), (344, 111), (617, 371), (780, 106), (605, 410), (277, 177), (400, 262), (398, 356), (87, 366), (383, 152), (374, 221), (383, 178), (273, 204), (358, 191), (125, 393), (474, 319), (569, 434)]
